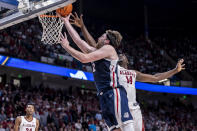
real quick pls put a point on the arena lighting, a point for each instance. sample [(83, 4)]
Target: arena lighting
[(166, 89), (45, 68), (62, 71)]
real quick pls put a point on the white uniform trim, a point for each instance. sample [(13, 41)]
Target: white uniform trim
[(27, 125), (113, 74), (117, 106), (138, 121)]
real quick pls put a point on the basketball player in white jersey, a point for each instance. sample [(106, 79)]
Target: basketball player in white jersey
[(127, 78), (27, 122)]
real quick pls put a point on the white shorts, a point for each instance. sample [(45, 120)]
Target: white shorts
[(126, 127), (138, 121)]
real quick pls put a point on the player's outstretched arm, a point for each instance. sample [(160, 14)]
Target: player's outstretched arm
[(103, 52), (17, 123), (80, 23), (160, 76), (75, 36), (37, 124)]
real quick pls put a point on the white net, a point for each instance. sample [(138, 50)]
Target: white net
[(52, 28)]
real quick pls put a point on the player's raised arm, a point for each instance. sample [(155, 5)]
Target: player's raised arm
[(76, 38), (103, 52), (17, 123), (157, 77), (80, 23), (37, 124)]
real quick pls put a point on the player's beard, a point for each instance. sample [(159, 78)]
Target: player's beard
[(99, 45)]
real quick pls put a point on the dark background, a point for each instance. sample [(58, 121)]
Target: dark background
[(165, 17)]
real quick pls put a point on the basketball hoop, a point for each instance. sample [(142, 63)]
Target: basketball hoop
[(52, 28)]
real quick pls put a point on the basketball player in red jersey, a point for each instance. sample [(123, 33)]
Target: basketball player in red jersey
[(27, 122)]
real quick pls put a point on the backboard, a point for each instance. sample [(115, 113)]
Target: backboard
[(10, 15)]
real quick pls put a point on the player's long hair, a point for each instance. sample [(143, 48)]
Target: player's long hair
[(115, 38)]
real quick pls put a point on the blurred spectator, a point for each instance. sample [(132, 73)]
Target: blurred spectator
[(78, 125), (59, 111), (23, 40), (92, 126), (2, 116)]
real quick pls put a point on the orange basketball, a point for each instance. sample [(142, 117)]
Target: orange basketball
[(64, 11)]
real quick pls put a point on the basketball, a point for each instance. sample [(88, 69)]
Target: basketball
[(64, 11)]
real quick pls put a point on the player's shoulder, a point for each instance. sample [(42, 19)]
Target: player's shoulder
[(35, 118), (108, 47), (121, 68), (19, 118), (133, 71)]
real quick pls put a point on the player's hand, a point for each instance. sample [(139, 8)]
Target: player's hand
[(180, 66), (65, 19), (76, 20), (64, 41)]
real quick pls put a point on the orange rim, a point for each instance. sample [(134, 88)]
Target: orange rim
[(49, 16)]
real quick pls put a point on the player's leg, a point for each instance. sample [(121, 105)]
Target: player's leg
[(115, 109), (138, 121), (126, 119), (128, 127), (107, 105)]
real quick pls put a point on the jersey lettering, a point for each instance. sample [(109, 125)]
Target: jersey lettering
[(27, 129), (129, 79)]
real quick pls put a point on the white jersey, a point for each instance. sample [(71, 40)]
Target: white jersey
[(127, 79), (27, 125)]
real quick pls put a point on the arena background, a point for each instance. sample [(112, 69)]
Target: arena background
[(156, 34)]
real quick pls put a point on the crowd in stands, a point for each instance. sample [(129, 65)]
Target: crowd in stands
[(24, 41), (67, 110), (181, 47), (57, 110), (174, 115)]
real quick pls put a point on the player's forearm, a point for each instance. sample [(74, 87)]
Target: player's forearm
[(88, 36), (165, 75), (37, 124), (15, 128), (76, 54), (75, 36)]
